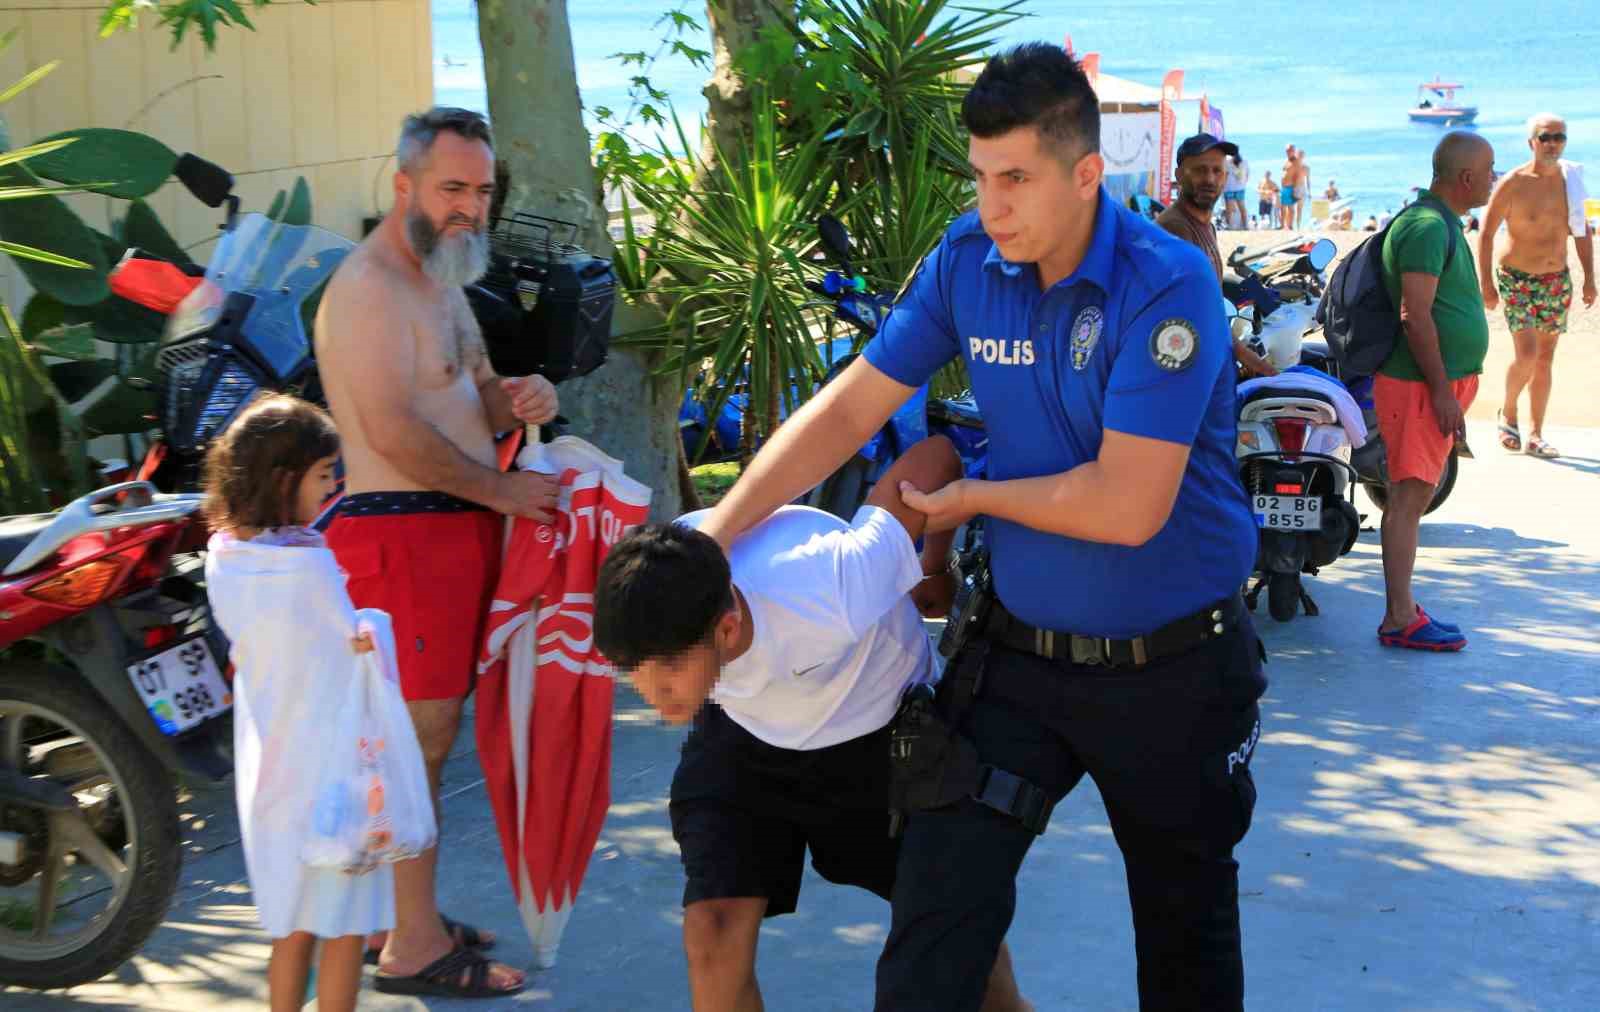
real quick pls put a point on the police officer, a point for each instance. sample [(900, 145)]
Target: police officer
[(1119, 537)]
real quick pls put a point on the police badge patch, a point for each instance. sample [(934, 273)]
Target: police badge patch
[(1086, 330), (1173, 344)]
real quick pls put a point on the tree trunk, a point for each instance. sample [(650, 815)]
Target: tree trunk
[(735, 25), (538, 124)]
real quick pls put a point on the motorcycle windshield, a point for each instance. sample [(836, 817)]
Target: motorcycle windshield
[(280, 266)]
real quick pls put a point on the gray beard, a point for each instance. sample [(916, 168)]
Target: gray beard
[(450, 262)]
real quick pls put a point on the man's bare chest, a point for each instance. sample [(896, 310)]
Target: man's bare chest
[(449, 345)]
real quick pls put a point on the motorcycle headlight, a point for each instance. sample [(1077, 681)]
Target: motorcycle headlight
[(232, 388)]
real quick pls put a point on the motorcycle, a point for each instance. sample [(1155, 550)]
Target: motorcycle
[(240, 328), (1293, 448), (955, 418), (110, 690)]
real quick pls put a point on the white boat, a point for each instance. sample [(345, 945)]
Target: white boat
[(1436, 103)]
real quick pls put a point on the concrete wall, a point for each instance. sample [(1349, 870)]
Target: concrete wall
[(315, 91)]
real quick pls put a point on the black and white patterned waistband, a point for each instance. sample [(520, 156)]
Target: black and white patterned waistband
[(388, 504)]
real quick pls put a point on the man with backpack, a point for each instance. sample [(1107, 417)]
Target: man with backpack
[(1429, 380), (1406, 305)]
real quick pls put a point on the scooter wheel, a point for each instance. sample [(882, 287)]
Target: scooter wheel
[(1283, 595), (49, 707)]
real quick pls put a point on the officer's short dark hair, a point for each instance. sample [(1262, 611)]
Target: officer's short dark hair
[(660, 592), (1036, 84)]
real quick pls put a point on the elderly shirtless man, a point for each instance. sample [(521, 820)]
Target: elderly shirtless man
[(419, 531), (1533, 277)]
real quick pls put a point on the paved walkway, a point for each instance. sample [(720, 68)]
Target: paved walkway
[(1428, 837)]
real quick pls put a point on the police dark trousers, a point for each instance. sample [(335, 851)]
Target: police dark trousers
[(1168, 744)]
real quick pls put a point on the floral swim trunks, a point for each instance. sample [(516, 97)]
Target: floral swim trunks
[(1535, 301)]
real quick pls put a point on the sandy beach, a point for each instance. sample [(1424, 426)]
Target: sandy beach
[(1577, 358)]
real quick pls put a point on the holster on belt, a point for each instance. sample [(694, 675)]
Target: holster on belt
[(933, 765)]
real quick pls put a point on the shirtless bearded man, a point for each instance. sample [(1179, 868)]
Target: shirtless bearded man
[(1534, 280), (419, 532)]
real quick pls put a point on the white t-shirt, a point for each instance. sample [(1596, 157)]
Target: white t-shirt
[(1238, 175), (836, 637)]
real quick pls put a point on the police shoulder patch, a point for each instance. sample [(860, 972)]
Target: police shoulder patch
[(1173, 343)]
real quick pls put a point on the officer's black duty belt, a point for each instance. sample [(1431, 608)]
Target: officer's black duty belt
[(1170, 640)]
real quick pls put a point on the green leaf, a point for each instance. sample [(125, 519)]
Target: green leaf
[(39, 256), (42, 313), (27, 81), (120, 321), (298, 211), (32, 151), (119, 409), (72, 341), (275, 209), (118, 163), (144, 229), (77, 380)]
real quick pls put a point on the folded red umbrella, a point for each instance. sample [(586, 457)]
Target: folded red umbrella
[(544, 692)]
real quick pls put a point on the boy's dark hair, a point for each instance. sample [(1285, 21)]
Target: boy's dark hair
[(253, 470), (1036, 84), (659, 593)]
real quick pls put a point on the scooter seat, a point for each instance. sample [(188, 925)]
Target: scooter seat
[(1263, 393), (16, 533)]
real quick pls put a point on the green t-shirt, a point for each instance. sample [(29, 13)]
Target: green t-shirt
[(1416, 244)]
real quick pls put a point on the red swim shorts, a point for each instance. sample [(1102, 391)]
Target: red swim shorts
[(1416, 447), (431, 561)]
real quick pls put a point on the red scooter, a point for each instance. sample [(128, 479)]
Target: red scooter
[(112, 685)]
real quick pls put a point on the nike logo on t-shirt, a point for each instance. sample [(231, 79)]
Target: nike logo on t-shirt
[(806, 671)]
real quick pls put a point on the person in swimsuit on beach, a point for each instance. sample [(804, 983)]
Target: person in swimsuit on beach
[(1288, 195), (1533, 278)]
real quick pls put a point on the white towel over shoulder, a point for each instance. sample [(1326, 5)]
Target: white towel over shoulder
[(1572, 172)]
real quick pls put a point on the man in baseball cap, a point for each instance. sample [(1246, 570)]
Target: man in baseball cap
[(1201, 174)]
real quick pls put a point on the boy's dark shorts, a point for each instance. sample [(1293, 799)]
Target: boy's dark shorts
[(744, 812)]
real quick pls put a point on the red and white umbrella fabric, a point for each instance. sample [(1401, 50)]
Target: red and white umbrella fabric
[(544, 692)]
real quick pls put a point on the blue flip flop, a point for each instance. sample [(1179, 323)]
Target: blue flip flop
[(1423, 634)]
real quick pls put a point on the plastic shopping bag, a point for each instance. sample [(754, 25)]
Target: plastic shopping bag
[(372, 805)]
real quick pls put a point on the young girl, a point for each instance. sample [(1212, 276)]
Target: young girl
[(277, 594)]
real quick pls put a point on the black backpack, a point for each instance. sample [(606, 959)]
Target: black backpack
[(1358, 318)]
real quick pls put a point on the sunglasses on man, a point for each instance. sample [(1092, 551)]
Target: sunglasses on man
[(1556, 138)]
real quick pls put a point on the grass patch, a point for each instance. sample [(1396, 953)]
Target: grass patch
[(712, 481)]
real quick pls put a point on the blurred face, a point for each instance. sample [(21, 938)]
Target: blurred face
[(1200, 179), (678, 686), (316, 488), (1030, 199), (446, 204), (1288, 151), (1549, 141)]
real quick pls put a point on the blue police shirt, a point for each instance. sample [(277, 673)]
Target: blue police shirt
[(1133, 340)]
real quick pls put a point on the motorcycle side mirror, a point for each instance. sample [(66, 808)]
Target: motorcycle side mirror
[(834, 237), (210, 184), (1322, 254)]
